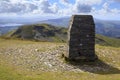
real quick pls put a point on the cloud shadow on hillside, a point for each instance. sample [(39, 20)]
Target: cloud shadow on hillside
[(97, 67)]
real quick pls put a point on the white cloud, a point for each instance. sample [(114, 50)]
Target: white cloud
[(26, 6), (116, 0), (115, 11), (106, 7), (106, 10), (16, 1), (89, 2), (54, 8), (7, 7), (10, 7), (44, 6), (82, 8), (61, 8), (65, 1)]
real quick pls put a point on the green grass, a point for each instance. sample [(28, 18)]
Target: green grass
[(11, 74), (107, 41), (40, 32), (108, 54)]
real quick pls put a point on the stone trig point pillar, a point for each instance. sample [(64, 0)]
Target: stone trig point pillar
[(81, 38)]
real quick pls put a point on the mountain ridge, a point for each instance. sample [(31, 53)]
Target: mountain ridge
[(39, 32), (50, 33), (108, 28)]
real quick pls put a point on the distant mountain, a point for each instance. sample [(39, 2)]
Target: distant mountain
[(104, 27), (108, 28), (64, 22), (4, 28), (39, 32), (47, 32)]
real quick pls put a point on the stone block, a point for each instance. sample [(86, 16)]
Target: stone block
[(81, 38)]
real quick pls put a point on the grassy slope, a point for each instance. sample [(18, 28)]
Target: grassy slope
[(52, 33), (107, 54), (107, 41), (41, 32)]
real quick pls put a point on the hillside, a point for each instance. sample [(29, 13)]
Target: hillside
[(104, 27), (107, 41), (35, 60), (29, 60), (40, 32), (50, 33)]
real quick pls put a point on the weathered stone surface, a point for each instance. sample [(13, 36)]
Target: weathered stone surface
[(81, 38)]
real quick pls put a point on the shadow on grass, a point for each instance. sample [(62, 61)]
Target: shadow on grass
[(97, 67)]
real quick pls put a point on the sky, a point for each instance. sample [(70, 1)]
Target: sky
[(101, 9)]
